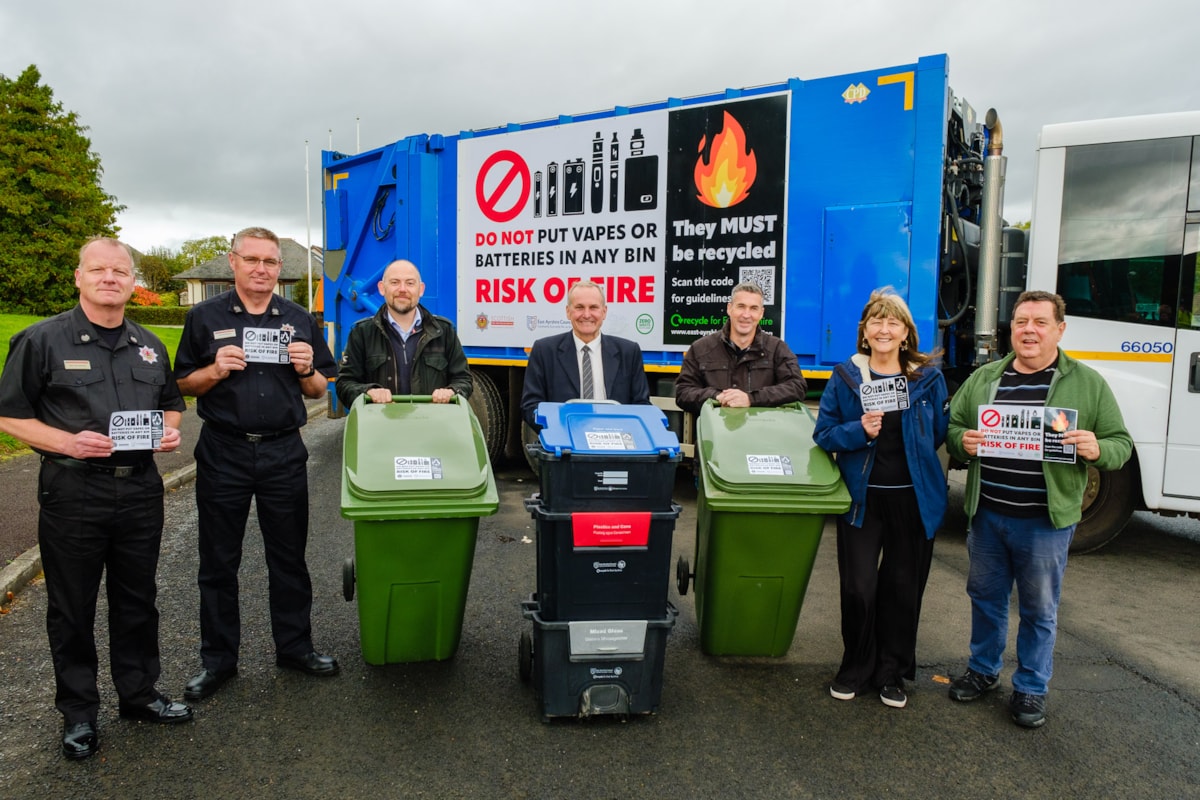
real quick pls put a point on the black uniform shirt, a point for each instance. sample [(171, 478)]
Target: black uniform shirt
[(263, 398), (61, 372)]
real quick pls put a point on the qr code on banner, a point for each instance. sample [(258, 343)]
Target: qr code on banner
[(764, 277)]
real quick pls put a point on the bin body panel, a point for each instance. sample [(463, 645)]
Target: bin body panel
[(570, 684), (591, 583), (752, 572), (765, 491), (412, 581)]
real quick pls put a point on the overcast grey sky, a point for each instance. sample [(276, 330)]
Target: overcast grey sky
[(200, 111)]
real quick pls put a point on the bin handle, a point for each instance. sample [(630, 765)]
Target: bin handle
[(413, 398)]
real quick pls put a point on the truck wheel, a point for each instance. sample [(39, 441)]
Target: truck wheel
[(1108, 503), (488, 405), (348, 579)]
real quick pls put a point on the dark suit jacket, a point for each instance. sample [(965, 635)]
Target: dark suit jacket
[(553, 373)]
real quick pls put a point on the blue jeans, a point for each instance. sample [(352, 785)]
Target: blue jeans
[(1033, 554)]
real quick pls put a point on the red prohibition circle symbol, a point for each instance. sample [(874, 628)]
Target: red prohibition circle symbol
[(990, 418), (509, 166)]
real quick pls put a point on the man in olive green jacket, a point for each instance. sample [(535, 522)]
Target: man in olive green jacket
[(1023, 513)]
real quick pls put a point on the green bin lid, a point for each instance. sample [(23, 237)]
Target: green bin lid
[(764, 459), (414, 459)]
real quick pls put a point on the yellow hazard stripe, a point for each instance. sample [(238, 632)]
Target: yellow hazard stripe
[(1110, 355)]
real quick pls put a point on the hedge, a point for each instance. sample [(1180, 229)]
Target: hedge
[(156, 315)]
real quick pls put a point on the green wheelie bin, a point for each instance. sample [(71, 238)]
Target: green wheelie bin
[(416, 479), (765, 490)]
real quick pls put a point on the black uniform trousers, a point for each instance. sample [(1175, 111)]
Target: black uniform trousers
[(94, 525), (229, 472), (883, 567)]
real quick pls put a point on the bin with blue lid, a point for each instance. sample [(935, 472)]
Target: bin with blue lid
[(765, 492), (416, 479), (604, 457)]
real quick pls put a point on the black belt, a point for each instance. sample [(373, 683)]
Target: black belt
[(250, 437), (121, 471)]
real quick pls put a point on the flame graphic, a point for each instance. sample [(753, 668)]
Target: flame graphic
[(1060, 423), (726, 179)]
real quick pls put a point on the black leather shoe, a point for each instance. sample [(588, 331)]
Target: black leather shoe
[(79, 740), (206, 683), (313, 663), (161, 709)]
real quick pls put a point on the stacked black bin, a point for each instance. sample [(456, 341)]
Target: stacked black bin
[(604, 521)]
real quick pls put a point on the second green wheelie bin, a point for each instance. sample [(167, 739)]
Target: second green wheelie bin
[(416, 479), (765, 491)]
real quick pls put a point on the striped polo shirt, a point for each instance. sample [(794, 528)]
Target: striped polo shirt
[(1012, 486)]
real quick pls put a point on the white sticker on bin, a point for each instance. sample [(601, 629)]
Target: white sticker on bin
[(418, 468), (607, 636), (757, 464), (608, 440)]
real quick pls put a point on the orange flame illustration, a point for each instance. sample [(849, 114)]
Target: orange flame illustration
[(1060, 423), (726, 179)]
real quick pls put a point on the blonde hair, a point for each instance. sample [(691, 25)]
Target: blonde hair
[(885, 302)]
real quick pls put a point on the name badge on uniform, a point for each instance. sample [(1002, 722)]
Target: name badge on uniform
[(136, 430), (83, 364), (266, 345), (885, 394), (228, 333)]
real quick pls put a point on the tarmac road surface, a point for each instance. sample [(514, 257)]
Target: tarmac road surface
[(1124, 712)]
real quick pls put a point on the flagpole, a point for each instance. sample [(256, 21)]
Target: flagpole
[(308, 214)]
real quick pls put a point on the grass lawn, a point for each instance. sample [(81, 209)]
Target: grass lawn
[(11, 324)]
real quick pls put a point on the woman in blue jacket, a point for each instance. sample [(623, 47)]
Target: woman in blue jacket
[(889, 461)]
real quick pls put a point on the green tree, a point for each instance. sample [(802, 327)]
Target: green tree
[(197, 251), (51, 200), (158, 269)]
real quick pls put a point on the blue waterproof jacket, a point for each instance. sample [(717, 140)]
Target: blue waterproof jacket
[(839, 431)]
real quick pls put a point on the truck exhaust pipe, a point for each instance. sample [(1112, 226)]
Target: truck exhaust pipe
[(991, 224)]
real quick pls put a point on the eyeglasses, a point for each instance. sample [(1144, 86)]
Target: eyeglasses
[(254, 261)]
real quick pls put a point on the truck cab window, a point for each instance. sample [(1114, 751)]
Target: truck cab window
[(1122, 238)]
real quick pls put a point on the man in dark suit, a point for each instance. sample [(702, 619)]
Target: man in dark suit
[(566, 367)]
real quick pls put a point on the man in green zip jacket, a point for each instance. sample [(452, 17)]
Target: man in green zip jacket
[(1022, 512)]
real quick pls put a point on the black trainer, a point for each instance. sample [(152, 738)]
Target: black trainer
[(971, 685), (1028, 710), (893, 696)]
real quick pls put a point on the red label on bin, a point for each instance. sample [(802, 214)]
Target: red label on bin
[(611, 529)]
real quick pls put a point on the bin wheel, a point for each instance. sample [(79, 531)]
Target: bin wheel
[(525, 656), (683, 575), (348, 579)]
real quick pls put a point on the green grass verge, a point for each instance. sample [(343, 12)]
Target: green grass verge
[(12, 324)]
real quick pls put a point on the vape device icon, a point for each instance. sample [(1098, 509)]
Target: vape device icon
[(552, 189), (614, 167), (641, 176), (572, 199), (537, 193), (597, 176)]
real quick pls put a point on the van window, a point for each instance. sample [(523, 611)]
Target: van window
[(1121, 241)]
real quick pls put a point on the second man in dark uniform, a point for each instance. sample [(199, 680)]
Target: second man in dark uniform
[(251, 357)]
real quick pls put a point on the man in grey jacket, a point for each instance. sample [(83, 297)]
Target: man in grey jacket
[(740, 366)]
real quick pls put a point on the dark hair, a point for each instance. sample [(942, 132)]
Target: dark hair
[(1037, 296)]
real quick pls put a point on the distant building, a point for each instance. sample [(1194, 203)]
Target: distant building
[(214, 276)]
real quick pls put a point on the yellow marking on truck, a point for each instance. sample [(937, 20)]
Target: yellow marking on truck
[(908, 79), (1112, 355), (337, 176)]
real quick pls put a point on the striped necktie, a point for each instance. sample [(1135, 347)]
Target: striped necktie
[(588, 390)]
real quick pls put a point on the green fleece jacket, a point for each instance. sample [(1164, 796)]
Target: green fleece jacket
[(1075, 385)]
